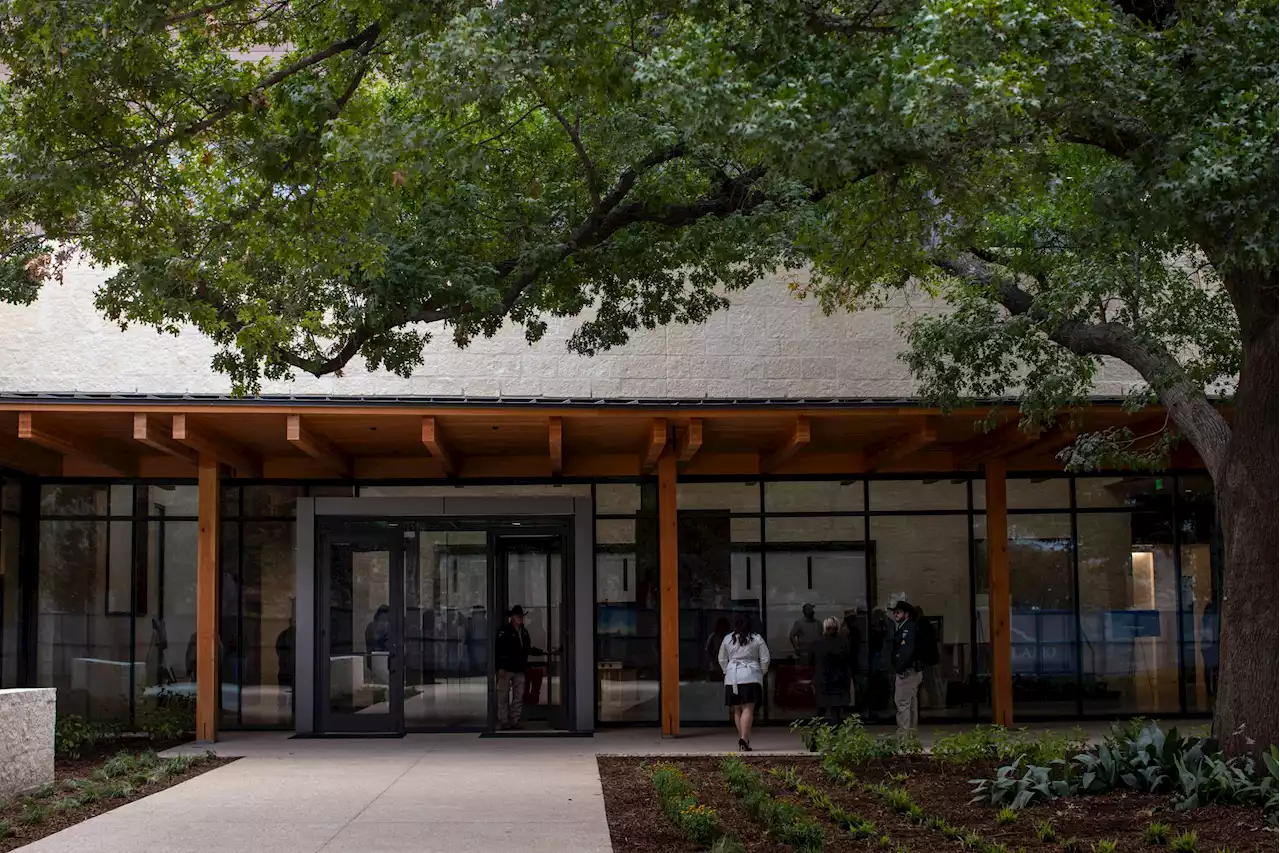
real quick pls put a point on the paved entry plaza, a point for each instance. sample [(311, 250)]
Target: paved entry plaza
[(421, 793)]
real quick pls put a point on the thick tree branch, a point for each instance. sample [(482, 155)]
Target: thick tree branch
[(740, 194), (1197, 419), (575, 137), (820, 20)]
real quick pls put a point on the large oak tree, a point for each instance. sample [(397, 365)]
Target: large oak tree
[(1079, 181)]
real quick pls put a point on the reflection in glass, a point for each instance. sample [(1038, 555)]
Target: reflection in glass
[(719, 565), (360, 629), (817, 568), (627, 629), (447, 628), (1201, 553), (1128, 613), (263, 653), (918, 494), (924, 559), (534, 580)]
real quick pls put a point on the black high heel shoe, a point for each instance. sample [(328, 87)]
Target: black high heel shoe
[(742, 745)]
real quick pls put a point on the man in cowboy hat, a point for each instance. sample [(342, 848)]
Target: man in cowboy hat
[(906, 667), (511, 657)]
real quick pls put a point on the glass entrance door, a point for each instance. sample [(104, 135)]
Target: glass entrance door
[(361, 617), (529, 570)]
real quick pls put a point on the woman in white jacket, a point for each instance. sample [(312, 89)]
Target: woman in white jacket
[(744, 659)]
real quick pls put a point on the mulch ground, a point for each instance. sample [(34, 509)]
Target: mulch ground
[(636, 822), (81, 768)]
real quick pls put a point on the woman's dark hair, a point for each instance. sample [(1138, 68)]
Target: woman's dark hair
[(741, 628)]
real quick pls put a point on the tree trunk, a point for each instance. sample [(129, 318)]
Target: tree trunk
[(1246, 492)]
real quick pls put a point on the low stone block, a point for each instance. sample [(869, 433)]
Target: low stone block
[(26, 739)]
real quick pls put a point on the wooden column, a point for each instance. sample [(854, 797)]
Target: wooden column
[(669, 606), (208, 679), (998, 603)]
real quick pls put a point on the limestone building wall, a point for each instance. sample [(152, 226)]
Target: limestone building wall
[(767, 344)]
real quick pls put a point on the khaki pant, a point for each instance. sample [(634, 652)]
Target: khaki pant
[(510, 697), (906, 695)]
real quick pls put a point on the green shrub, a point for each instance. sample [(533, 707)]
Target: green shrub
[(987, 743), (1186, 842), (1157, 833), (72, 736), (1019, 786), (898, 799), (1006, 816), (1045, 831), (66, 804), (855, 825), (1104, 847), (6, 829), (1073, 845), (851, 744), (33, 814), (727, 844), (120, 764)]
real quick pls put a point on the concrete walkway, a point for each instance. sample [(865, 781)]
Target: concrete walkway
[(420, 793)]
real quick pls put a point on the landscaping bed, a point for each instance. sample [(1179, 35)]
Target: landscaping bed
[(93, 783), (862, 812)]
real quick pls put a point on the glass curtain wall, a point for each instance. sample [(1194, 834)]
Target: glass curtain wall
[(116, 612), (10, 526)]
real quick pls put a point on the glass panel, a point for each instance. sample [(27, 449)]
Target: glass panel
[(525, 491), (230, 502), (170, 500), (11, 496), (918, 494), (269, 501), (9, 600), (228, 625), (1138, 491), (716, 556), (924, 559), (620, 498), (813, 496), (264, 641), (162, 638), (1128, 613), (1043, 620), (627, 663), (816, 568), (120, 568), (81, 651), (534, 578), (730, 497), (122, 500), (1040, 493), (447, 630), (360, 628), (331, 491), (73, 500), (1201, 590)]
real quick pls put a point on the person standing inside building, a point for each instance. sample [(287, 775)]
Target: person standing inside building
[(906, 668), (805, 631), (511, 657), (852, 636), (831, 669), (744, 658)]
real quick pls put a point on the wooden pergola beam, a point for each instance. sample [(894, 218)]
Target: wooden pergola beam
[(998, 594), (689, 440), (435, 445), (1005, 439), (891, 450), (555, 444), (148, 430), (669, 594), (657, 442), (317, 447), (244, 463), (793, 444), (30, 428)]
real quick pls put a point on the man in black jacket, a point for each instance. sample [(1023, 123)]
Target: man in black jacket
[(511, 657), (906, 668)]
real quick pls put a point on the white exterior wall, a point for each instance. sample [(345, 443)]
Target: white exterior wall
[(768, 344)]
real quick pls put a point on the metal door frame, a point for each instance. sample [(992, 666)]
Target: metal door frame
[(575, 514), (392, 722)]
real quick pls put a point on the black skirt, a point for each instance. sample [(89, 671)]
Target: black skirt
[(748, 694)]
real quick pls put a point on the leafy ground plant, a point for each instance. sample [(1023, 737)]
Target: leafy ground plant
[(855, 825), (1185, 842), (1006, 816), (782, 820), (697, 822), (1157, 833), (1045, 831)]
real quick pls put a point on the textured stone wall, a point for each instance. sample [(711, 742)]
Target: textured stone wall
[(768, 344), (26, 739)]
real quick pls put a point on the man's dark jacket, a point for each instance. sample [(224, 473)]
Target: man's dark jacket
[(513, 649)]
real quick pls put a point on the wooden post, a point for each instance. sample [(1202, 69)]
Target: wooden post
[(669, 606), (208, 680), (998, 602)]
